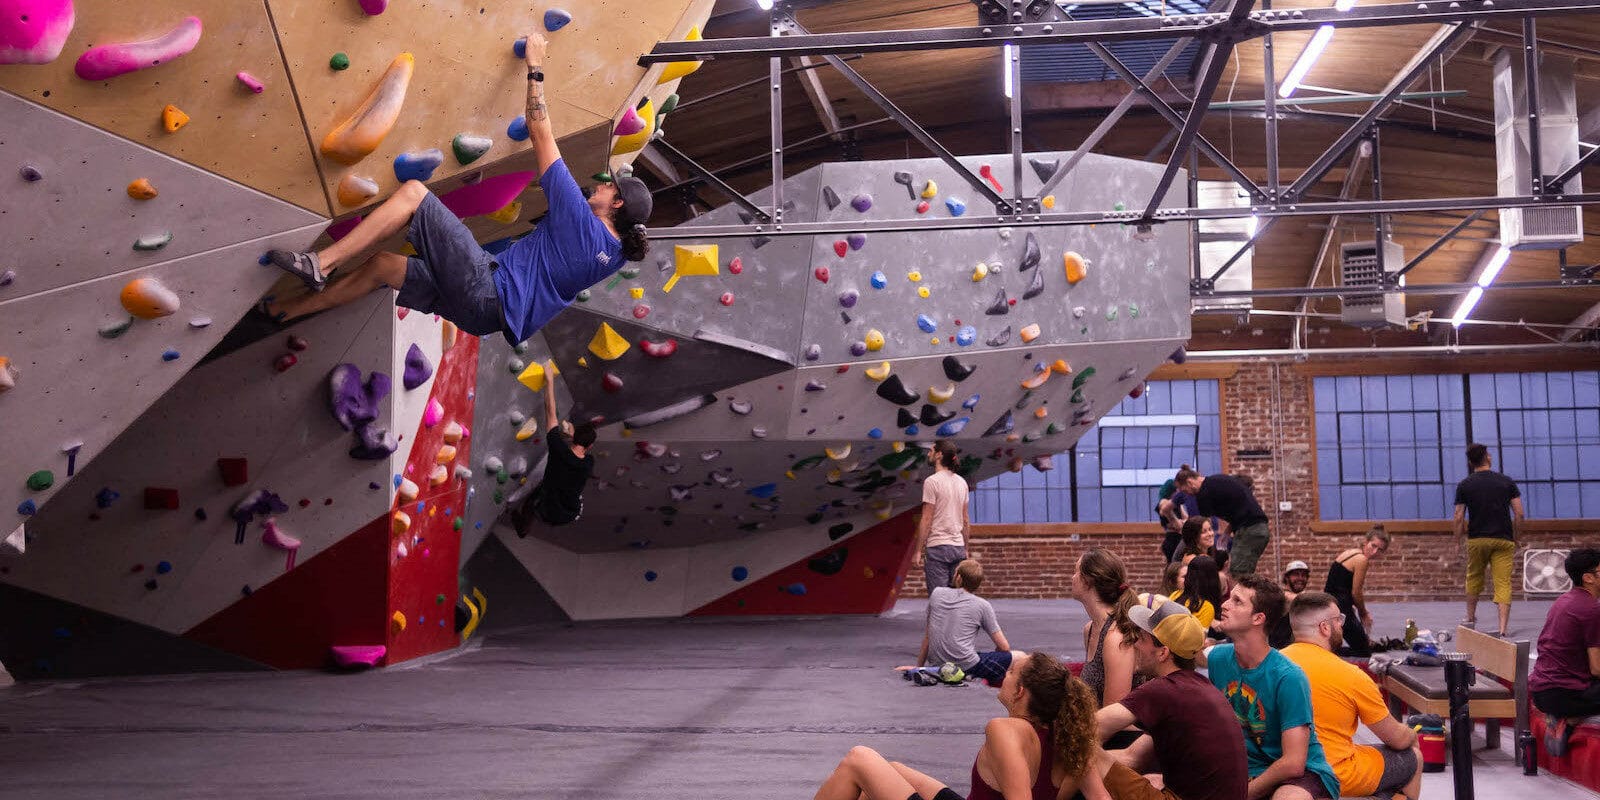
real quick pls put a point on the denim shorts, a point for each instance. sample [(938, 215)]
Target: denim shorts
[(991, 667), (450, 275)]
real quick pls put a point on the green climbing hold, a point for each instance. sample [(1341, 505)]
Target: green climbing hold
[(339, 62), (629, 273), (601, 177), (458, 525), (112, 330), (1031, 437), (1111, 313), (469, 148), (1120, 207), (807, 463), (1133, 310), (499, 497), (41, 480), (667, 107), (1077, 396), (438, 598), (154, 241), (1082, 377), (1054, 428), (894, 462)]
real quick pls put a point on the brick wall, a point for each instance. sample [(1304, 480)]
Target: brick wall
[(1267, 407)]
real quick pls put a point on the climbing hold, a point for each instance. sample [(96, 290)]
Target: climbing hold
[(861, 202), (953, 427), (930, 415), (660, 349), (157, 498), (1060, 366), (555, 19), (914, 276), (848, 298), (407, 490), (1075, 267), (740, 407), (251, 82), (957, 371), (1036, 380), (1030, 253), (1083, 377), (468, 148), (678, 69), (110, 60), (736, 266), (895, 391), (339, 62), (106, 497), (956, 206), (904, 419), (438, 475), (988, 175), (1179, 356), (433, 414), (971, 402), (926, 323), (874, 340), (1044, 169), (7, 277), (142, 189), (966, 335), (356, 190), (1137, 391), (856, 241), (37, 34), (1035, 286), (152, 241), (930, 190), (821, 273), (1078, 312), (363, 131), (840, 248), (30, 173), (904, 179), (633, 133), (417, 166), (41, 480), (234, 471), (1111, 313), (879, 280), (607, 344), (858, 348), (1000, 339), (1128, 373), (1048, 201), (27, 508), (813, 352), (147, 298), (726, 298), (693, 259), (507, 213), (284, 362), (112, 330), (922, 207), (517, 131), (532, 377), (1030, 332), (418, 368), (1041, 412), (397, 620), (668, 105)]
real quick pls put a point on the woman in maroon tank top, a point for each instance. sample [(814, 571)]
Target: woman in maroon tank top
[(1043, 748)]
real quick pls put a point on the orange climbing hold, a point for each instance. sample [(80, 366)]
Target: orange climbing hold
[(446, 454), (400, 522), (397, 621), (173, 118), (1038, 379), (1061, 367), (1075, 266), (146, 298), (363, 131), (355, 190), (142, 189), (1029, 333)]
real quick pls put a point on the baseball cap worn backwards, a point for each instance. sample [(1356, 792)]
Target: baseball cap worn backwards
[(1172, 624)]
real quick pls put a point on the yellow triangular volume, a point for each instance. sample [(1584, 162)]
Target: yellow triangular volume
[(692, 259), (607, 343), (533, 377)]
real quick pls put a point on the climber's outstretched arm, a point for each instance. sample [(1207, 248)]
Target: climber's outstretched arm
[(540, 134)]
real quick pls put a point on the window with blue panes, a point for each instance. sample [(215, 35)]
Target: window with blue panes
[(1116, 469), (1393, 446)]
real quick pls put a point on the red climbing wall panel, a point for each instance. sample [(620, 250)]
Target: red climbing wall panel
[(422, 583), (865, 580)]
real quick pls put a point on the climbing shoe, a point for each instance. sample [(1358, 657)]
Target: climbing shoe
[(301, 265)]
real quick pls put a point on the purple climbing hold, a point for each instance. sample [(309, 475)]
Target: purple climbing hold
[(953, 427), (374, 443), (814, 352), (418, 368), (374, 7), (848, 298), (858, 349), (861, 202), (555, 19), (31, 174), (815, 385), (856, 240), (354, 404), (7, 277)]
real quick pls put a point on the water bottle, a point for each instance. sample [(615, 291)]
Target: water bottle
[(1411, 632), (1530, 753)]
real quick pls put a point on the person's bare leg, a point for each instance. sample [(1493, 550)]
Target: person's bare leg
[(385, 221), (1139, 756), (863, 772), (1413, 787), (1472, 610), (1505, 618), (383, 269), (924, 785)]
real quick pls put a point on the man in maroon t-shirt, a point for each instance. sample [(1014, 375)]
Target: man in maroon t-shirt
[(1566, 676), (1195, 741)]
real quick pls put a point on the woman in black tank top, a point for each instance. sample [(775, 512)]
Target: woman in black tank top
[(1347, 577)]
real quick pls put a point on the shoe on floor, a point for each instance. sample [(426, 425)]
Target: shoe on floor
[(1470, 624), (301, 265)]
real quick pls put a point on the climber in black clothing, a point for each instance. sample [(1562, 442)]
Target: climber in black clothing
[(558, 499), (1347, 577)]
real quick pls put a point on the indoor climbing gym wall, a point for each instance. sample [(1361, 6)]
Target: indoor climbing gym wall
[(191, 488), (765, 402)]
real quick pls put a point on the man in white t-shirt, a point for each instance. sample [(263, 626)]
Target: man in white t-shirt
[(942, 530)]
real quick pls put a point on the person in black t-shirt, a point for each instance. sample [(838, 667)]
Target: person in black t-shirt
[(1488, 508), (1230, 500), (558, 499)]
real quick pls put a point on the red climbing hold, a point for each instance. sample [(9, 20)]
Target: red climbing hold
[(284, 362), (299, 344), (611, 383), (1011, 302), (160, 499), (235, 471), (922, 207), (658, 349), (840, 248), (988, 175), (641, 311), (821, 273), (726, 298), (735, 266)]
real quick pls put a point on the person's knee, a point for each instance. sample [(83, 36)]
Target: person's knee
[(1288, 792), (860, 754), (412, 192)]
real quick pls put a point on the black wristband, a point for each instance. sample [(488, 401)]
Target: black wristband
[(536, 75)]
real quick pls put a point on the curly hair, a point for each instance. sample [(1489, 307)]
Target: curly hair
[(1057, 698)]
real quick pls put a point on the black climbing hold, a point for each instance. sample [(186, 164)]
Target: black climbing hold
[(957, 371), (1030, 253), (844, 316), (904, 419), (840, 531), (1044, 169), (31, 173), (1023, 402), (999, 305), (1001, 426), (1000, 338), (830, 197), (829, 564), (757, 242), (930, 415), (1036, 286), (814, 518), (904, 179), (895, 391)]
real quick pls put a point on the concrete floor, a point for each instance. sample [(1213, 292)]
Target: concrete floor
[(726, 708)]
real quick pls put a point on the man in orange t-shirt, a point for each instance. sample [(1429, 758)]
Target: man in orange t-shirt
[(1342, 695)]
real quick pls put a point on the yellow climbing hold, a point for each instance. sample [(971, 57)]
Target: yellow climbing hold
[(507, 214), (8, 374), (147, 298), (607, 344), (528, 430), (678, 69), (583, 362), (397, 620), (360, 134), (475, 613), (1036, 380), (447, 336), (878, 373), (922, 292), (1060, 367), (937, 396), (635, 141), (636, 292), (1029, 333), (874, 340), (883, 510), (399, 522), (1076, 267), (835, 475), (930, 190), (934, 340), (355, 190), (914, 276), (173, 118), (532, 377), (840, 453), (980, 272), (898, 447), (142, 189), (692, 259), (1049, 201)]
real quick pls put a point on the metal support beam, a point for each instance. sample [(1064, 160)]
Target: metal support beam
[(1530, 74), (1013, 67), (1559, 182), (1269, 94), (775, 98), (1261, 230), (1440, 242), (1210, 75), (666, 147), (1424, 289)]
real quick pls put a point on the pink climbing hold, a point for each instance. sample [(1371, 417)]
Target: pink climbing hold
[(486, 196), (110, 60), (271, 536), (630, 124), (349, 656), (284, 362), (840, 248), (251, 82), (726, 298), (641, 311), (660, 349), (434, 413), (33, 31), (374, 7)]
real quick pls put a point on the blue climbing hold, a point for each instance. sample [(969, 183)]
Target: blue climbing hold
[(555, 19), (740, 573), (418, 166), (397, 480), (765, 491), (875, 433), (954, 426), (263, 260), (519, 48), (171, 355), (164, 567), (106, 496), (970, 403), (650, 575), (27, 508), (966, 336), (926, 323), (879, 280), (63, 633), (796, 589), (517, 131), (957, 208), (912, 430)]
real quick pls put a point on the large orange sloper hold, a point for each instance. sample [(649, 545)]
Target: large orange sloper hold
[(359, 135)]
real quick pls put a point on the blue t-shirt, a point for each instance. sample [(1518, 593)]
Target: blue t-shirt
[(1267, 700), (571, 250)]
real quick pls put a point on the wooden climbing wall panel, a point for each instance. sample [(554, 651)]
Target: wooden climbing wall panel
[(255, 139), (466, 78)]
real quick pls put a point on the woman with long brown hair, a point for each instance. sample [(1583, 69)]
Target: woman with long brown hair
[(1101, 584), (1045, 747)]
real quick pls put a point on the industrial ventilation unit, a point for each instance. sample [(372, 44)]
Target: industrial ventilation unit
[(1219, 240), (1539, 227), (1359, 267)]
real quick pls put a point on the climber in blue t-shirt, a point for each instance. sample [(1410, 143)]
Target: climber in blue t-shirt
[(578, 244)]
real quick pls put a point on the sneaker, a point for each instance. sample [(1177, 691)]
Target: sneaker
[(1470, 624), (301, 265), (1555, 739)]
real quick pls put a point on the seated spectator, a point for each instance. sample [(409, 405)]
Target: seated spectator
[(1101, 584), (1202, 589), (1295, 578), (1044, 748), (1271, 698), (1347, 580), (955, 615), (1193, 741), (1171, 579), (1199, 539), (1566, 677), (1342, 694)]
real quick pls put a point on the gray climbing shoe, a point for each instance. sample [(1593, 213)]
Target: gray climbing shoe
[(301, 265)]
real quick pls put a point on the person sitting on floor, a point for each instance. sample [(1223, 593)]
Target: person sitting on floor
[(1343, 694), (1566, 677), (1199, 539), (1193, 740), (1202, 589), (1271, 698), (1296, 576), (955, 615), (1347, 580), (1043, 749)]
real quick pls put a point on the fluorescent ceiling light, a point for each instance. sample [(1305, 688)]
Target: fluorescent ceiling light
[(766, 5), (1009, 51), (1492, 269), (1344, 5), (1302, 65), (1467, 304)]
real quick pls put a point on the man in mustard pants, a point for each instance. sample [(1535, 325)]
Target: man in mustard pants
[(1488, 509)]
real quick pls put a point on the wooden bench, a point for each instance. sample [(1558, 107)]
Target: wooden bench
[(1423, 688)]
